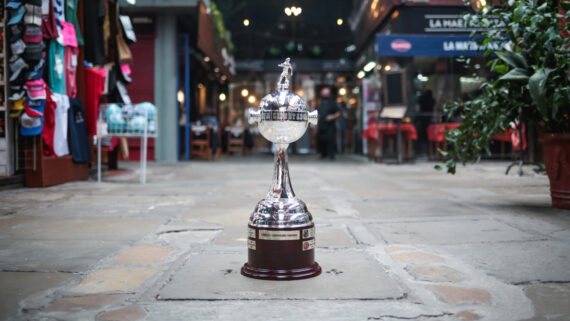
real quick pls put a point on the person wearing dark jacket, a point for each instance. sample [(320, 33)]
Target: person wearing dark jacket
[(326, 134)]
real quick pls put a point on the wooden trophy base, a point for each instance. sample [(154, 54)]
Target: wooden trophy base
[(281, 254)]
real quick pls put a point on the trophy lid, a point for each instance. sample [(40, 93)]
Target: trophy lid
[(283, 99)]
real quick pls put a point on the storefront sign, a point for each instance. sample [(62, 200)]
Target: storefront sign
[(454, 23), (431, 45)]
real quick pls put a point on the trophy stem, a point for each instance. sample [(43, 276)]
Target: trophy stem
[(281, 185)]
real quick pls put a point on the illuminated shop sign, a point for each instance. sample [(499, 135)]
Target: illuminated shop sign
[(431, 45), (454, 23), (401, 45)]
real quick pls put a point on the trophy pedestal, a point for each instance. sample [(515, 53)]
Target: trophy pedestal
[(281, 254)]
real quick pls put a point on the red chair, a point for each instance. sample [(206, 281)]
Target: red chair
[(409, 134), (436, 137), (371, 136)]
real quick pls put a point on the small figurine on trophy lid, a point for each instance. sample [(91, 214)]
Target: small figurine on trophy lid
[(281, 233)]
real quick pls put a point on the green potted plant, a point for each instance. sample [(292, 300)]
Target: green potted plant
[(532, 86)]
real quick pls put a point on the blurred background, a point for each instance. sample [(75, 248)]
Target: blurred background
[(391, 67)]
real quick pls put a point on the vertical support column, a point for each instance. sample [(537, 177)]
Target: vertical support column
[(187, 93), (183, 46), (165, 63), (399, 142)]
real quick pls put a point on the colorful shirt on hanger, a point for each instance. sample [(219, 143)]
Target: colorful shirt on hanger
[(71, 16), (94, 85), (49, 26), (78, 140), (49, 126), (70, 55), (60, 145), (57, 68)]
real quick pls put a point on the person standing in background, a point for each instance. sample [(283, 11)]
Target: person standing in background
[(342, 124), (426, 103), (326, 135)]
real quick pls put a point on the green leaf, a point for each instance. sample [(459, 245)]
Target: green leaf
[(517, 74), (537, 90), (513, 59), (438, 167), (518, 13), (500, 69), (565, 5), (450, 164)]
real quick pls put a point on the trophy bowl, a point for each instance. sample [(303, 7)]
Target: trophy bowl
[(283, 117)]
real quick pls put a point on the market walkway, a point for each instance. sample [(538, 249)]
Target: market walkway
[(395, 242)]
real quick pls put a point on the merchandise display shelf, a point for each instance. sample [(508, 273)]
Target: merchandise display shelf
[(127, 121)]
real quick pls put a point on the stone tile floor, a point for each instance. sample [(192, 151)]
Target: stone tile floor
[(395, 243)]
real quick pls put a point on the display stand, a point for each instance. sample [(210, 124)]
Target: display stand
[(104, 131), (6, 123)]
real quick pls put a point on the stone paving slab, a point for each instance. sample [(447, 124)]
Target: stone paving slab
[(71, 228), (132, 313), (295, 310), (551, 301), (460, 295), (46, 256), (423, 206), (76, 304), (122, 279), (518, 263), (144, 255), (16, 286), (451, 231), (347, 275)]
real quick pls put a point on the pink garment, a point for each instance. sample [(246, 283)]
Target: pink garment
[(69, 36), (70, 56), (126, 69)]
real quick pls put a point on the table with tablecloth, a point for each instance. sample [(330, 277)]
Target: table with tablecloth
[(375, 134), (436, 137)]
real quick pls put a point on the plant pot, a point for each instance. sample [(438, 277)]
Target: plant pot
[(557, 162)]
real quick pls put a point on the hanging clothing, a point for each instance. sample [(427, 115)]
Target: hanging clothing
[(57, 68), (49, 126), (60, 145), (70, 55), (71, 17), (59, 13), (78, 140), (59, 10), (94, 84), (49, 26), (93, 19)]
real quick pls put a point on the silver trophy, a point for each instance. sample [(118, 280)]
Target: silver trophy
[(281, 231)]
